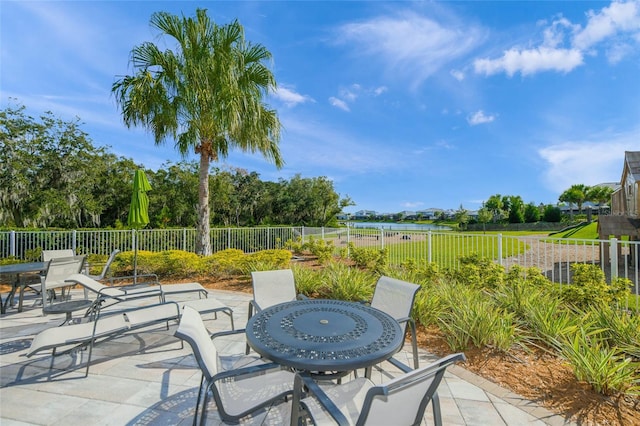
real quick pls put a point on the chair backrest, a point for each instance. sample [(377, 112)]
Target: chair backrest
[(404, 399), (47, 255), (273, 287), (107, 265), (395, 297), (59, 269), (193, 331)]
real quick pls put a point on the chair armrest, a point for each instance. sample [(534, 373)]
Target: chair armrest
[(226, 333), (153, 278), (403, 367), (323, 399), (245, 370)]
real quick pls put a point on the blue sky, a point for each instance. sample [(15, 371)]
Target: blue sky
[(404, 105)]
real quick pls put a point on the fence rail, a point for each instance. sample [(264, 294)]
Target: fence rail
[(553, 256)]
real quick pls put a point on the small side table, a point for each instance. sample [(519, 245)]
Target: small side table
[(68, 308)]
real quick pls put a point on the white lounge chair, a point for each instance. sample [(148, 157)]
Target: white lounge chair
[(237, 392), (74, 336), (105, 269), (401, 401)]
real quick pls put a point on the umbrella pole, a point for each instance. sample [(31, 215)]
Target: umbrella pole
[(135, 256)]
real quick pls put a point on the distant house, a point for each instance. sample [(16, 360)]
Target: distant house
[(430, 214), (625, 201), (624, 220), (364, 214)]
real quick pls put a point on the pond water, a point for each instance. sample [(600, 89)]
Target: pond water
[(399, 226)]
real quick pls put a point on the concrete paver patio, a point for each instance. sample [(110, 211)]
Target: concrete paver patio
[(146, 377)]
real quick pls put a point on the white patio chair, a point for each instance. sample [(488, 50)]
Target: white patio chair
[(58, 270), (401, 401), (271, 288), (395, 297), (248, 384), (47, 255)]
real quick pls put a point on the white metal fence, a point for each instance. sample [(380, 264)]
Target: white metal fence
[(553, 256)]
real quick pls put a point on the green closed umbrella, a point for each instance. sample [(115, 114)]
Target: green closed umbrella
[(138, 211)]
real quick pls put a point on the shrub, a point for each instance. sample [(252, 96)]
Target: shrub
[(266, 260), (372, 259), (478, 272), (589, 287), (322, 249)]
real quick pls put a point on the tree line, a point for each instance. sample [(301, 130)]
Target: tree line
[(512, 209), (52, 175)]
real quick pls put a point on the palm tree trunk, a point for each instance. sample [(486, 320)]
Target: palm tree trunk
[(203, 240)]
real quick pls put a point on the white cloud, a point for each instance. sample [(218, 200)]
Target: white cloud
[(618, 18), (458, 75), (352, 93), (379, 90), (586, 162), (479, 117), (410, 45), (530, 61), (339, 103), (290, 97), (564, 44)]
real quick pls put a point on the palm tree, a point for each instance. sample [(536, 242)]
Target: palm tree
[(576, 194), (206, 95)]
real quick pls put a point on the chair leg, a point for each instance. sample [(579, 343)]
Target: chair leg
[(414, 344), (195, 416), (437, 414)]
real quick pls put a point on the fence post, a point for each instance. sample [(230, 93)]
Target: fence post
[(12, 243), (429, 252), (74, 240), (382, 238), (614, 258), (302, 234), (500, 249), (348, 240), (228, 238)]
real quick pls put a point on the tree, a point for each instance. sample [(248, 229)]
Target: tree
[(494, 205), (531, 213), (50, 173), (551, 214), (462, 217), (516, 209), (484, 217), (599, 195), (207, 95), (576, 194)]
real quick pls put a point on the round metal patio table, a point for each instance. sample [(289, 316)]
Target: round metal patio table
[(324, 335)]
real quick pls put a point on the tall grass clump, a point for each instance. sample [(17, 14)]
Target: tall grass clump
[(606, 369), (344, 283), (551, 321), (308, 281), (470, 318)]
